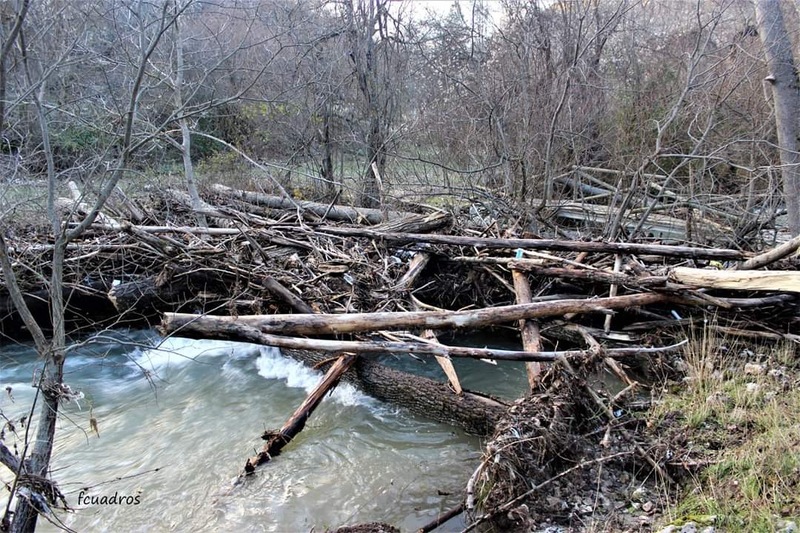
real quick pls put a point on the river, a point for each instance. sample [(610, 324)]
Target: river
[(177, 419)]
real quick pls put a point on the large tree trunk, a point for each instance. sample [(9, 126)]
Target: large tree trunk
[(474, 413), (786, 95)]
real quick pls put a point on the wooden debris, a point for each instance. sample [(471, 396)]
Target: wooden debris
[(754, 280), (543, 244), (297, 421), (529, 329), (348, 214)]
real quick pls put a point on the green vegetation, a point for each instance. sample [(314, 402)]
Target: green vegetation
[(740, 422)]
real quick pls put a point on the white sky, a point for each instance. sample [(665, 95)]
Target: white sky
[(420, 8)]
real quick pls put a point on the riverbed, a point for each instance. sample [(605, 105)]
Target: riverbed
[(177, 419)]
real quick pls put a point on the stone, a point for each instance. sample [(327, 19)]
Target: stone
[(639, 494), (648, 507), (689, 527), (555, 503), (754, 369), (752, 388)]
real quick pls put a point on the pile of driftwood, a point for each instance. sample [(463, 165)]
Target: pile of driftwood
[(320, 281)]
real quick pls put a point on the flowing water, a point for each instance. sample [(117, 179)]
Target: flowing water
[(177, 423)]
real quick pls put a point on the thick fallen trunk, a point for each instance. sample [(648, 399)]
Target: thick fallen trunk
[(474, 413), (753, 280), (295, 424), (327, 324)]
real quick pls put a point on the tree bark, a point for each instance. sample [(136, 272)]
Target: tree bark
[(347, 214), (319, 324), (786, 97), (529, 329), (743, 280)]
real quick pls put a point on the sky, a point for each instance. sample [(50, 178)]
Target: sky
[(420, 8)]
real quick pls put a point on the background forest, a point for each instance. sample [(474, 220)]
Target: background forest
[(516, 100)]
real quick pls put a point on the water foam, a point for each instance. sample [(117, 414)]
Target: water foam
[(272, 365), (177, 351)]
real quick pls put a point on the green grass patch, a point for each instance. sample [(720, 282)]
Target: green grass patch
[(744, 422)]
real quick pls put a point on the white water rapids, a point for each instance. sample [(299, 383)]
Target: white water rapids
[(177, 423)]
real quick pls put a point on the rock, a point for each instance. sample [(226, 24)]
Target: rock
[(709, 529), (754, 369), (648, 507), (689, 527), (669, 529), (585, 510), (639, 494), (680, 366), (787, 526), (776, 373), (556, 504), (752, 388), (519, 514)]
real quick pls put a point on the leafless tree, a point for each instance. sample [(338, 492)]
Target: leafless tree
[(786, 96)]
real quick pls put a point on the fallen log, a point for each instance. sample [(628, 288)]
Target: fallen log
[(755, 280), (601, 276), (232, 330), (688, 252), (337, 212), (328, 324), (473, 412), (770, 256), (297, 421), (529, 329), (274, 286)]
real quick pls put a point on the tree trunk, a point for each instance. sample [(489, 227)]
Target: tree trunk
[(786, 95), (319, 324), (186, 136)]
